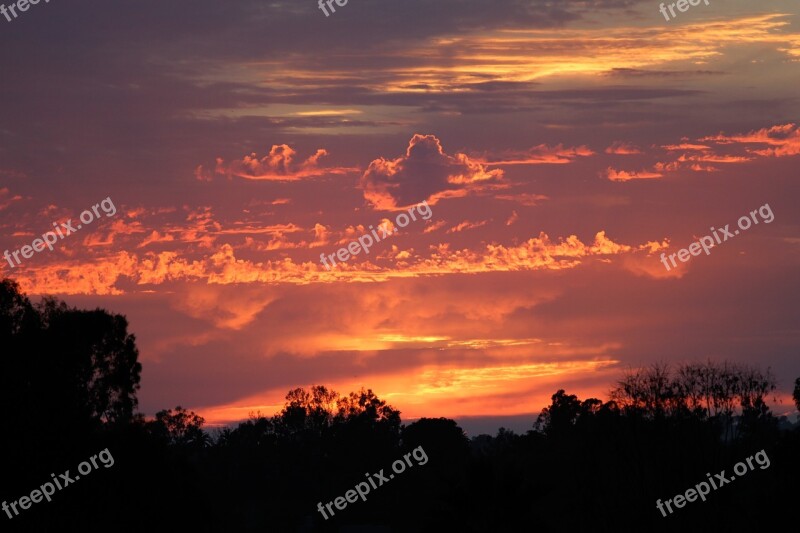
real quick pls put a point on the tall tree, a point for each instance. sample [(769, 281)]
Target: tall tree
[(307, 413), (64, 366), (560, 415)]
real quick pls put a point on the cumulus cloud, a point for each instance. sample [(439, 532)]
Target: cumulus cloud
[(425, 172)]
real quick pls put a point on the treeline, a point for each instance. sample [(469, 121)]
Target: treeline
[(731, 398), (69, 383)]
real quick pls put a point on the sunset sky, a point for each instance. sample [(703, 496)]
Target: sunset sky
[(562, 147)]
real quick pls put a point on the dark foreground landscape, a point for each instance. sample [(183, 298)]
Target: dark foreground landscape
[(69, 382)]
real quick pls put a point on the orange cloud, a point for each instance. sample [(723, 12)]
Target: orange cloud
[(543, 154), (685, 146), (525, 198), (513, 218), (321, 236), (136, 212), (279, 165), (622, 148), (783, 140), (433, 227), (711, 157), (273, 229), (666, 167), (6, 199), (201, 175), (225, 307), (459, 63), (224, 267), (622, 175), (703, 168), (155, 237), (467, 225)]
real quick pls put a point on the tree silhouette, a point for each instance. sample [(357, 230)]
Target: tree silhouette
[(179, 428), (68, 385), (365, 421), (307, 414), (257, 433), (712, 391), (365, 406), (649, 392), (561, 415), (441, 438), (77, 368)]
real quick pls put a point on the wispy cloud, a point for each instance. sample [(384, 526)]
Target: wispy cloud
[(625, 175), (622, 148)]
